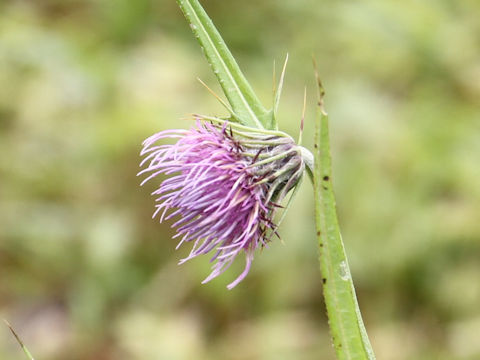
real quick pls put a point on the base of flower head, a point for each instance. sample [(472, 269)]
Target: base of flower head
[(225, 183)]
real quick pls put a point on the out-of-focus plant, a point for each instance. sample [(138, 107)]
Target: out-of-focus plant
[(20, 342), (231, 175)]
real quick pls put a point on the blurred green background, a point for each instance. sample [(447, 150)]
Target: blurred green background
[(85, 272)]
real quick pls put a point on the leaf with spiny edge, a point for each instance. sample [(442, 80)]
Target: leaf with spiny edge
[(346, 325), (244, 102)]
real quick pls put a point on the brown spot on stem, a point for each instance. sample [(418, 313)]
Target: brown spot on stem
[(326, 178)]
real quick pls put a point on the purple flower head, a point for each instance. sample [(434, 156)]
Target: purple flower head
[(225, 182)]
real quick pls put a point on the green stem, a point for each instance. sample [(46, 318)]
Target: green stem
[(346, 325), (245, 104), (20, 342)]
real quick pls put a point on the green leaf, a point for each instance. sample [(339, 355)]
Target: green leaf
[(246, 106), (346, 325)]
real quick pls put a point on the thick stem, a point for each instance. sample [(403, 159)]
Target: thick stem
[(346, 325), (244, 102)]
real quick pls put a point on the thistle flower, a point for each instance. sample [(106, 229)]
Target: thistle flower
[(226, 183)]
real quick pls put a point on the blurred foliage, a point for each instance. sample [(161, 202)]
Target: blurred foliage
[(86, 273)]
